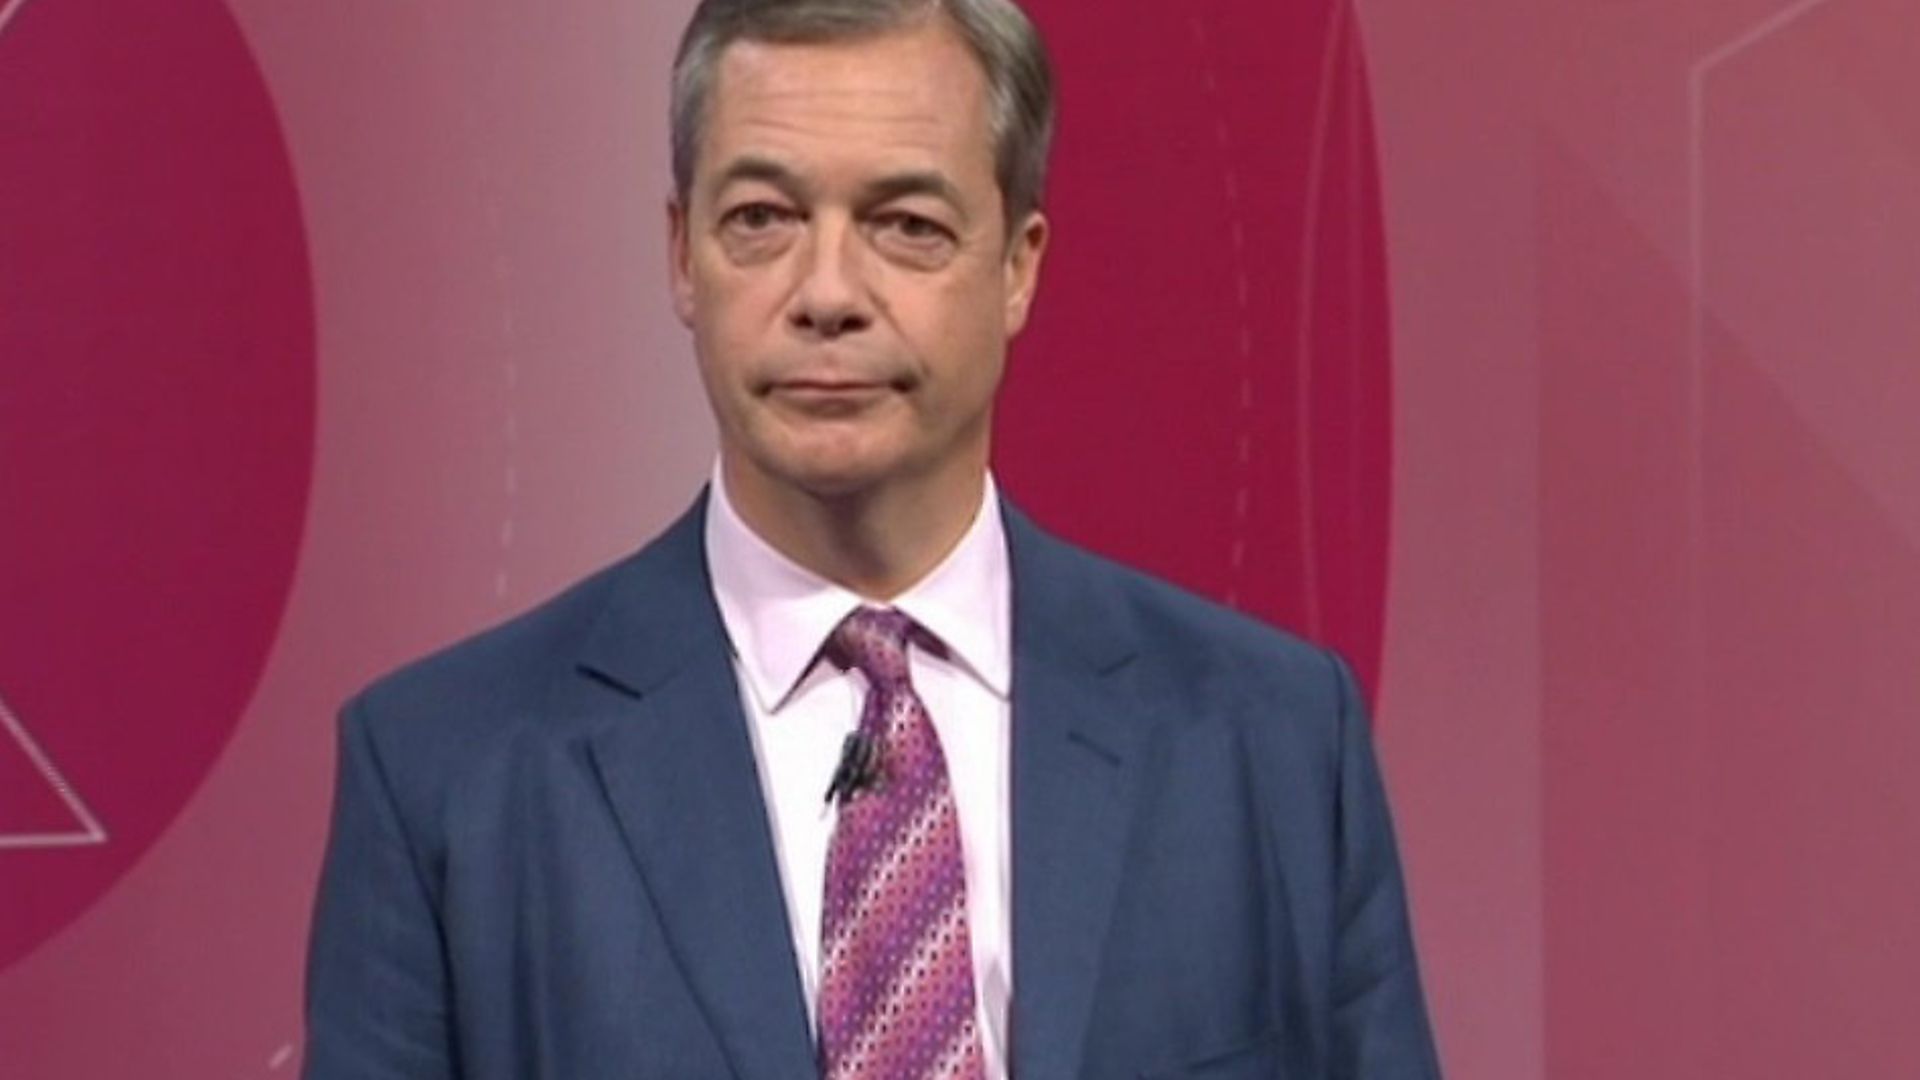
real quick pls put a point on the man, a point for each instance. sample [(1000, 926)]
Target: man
[(1077, 823)]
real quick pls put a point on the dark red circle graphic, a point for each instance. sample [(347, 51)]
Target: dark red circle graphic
[(1205, 389), (157, 389)]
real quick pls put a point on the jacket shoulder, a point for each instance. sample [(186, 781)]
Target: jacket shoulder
[(501, 671), (1200, 635), (504, 675), (1171, 625)]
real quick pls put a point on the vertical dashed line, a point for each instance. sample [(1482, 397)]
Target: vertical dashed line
[(507, 530), (1243, 424)]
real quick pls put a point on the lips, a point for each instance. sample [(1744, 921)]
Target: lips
[(831, 386), (830, 397), (836, 388)]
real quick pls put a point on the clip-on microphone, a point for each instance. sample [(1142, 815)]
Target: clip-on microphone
[(859, 767)]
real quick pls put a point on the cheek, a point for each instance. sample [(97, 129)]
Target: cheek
[(971, 334), (733, 315), (944, 310), (718, 278)]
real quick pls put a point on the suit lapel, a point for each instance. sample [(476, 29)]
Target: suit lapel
[(678, 769), (1076, 751), (677, 766)]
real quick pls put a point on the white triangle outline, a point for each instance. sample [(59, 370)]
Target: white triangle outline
[(91, 831)]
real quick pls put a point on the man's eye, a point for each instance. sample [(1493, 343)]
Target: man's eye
[(914, 227), (756, 216)]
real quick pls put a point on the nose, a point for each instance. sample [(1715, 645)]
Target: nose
[(831, 299)]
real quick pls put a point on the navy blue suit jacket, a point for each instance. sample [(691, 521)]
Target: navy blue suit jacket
[(550, 858)]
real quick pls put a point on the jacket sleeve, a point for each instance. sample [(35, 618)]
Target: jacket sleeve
[(1380, 1025), (378, 1000)]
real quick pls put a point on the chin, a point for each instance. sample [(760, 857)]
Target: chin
[(836, 478), (830, 469), (839, 455)]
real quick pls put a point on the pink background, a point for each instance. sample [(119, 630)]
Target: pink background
[(1556, 362)]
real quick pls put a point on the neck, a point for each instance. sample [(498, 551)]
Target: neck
[(876, 541)]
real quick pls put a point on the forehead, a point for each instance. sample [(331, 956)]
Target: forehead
[(916, 95)]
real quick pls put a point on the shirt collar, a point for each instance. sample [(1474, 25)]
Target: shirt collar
[(777, 612)]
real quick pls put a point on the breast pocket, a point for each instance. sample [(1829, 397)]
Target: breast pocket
[(1244, 1060)]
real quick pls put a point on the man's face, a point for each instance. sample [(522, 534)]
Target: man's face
[(844, 261)]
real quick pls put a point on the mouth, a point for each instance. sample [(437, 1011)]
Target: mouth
[(831, 395), (830, 386), (837, 384)]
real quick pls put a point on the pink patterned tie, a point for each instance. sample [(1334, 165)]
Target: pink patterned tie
[(896, 986)]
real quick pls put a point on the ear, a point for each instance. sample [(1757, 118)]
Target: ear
[(1025, 249), (679, 261)]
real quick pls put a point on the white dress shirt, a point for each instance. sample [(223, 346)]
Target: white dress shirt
[(777, 615)]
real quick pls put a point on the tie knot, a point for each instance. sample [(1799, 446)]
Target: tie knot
[(874, 640)]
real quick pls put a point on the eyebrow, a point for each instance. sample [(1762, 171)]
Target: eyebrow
[(885, 189), (765, 170), (900, 185)]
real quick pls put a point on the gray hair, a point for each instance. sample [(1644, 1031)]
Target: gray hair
[(1019, 77)]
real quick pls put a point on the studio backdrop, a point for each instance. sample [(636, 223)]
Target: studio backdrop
[(1557, 363)]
